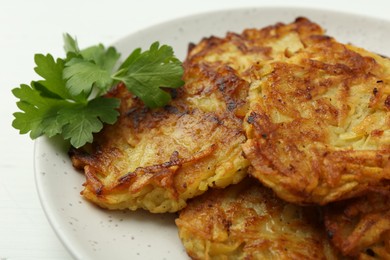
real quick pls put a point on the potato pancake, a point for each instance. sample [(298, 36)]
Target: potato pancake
[(157, 159), (318, 126), (253, 47), (360, 227), (248, 221)]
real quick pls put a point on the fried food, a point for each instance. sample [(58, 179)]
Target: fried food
[(248, 221), (235, 54), (360, 227), (305, 115), (318, 125), (252, 47), (157, 159)]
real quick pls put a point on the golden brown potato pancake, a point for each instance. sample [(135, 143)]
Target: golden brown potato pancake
[(360, 227), (248, 221), (318, 126), (235, 54), (252, 47), (157, 159)]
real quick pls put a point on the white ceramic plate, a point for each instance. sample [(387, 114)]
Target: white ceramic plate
[(89, 232)]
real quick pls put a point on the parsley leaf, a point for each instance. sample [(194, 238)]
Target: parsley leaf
[(145, 73), (105, 59), (81, 120), (93, 67), (82, 75), (70, 44), (40, 113), (51, 71), (69, 99)]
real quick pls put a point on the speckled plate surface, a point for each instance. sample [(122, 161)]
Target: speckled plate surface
[(89, 232)]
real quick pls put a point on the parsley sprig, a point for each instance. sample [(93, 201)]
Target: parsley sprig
[(69, 99)]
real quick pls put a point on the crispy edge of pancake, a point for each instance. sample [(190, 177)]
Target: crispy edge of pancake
[(287, 145), (360, 227), (248, 221)]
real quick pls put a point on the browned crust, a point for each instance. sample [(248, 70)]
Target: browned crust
[(247, 221), (296, 108), (360, 227), (193, 144)]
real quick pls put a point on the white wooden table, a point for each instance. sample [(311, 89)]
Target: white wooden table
[(36, 26)]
